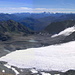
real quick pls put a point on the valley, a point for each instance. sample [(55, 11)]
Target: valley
[(40, 42), (37, 37)]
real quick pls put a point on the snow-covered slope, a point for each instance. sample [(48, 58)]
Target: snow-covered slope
[(55, 57), (66, 32)]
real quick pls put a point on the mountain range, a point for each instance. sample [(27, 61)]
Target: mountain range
[(26, 23), (31, 26), (53, 33), (37, 21)]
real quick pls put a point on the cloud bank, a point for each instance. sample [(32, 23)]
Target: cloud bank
[(35, 10)]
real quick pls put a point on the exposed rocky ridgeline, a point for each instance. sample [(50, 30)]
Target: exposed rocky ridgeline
[(71, 37), (10, 27), (57, 27)]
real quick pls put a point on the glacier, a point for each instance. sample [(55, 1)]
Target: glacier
[(54, 57), (65, 32)]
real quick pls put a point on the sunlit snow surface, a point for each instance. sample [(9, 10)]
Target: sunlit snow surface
[(66, 32), (55, 57)]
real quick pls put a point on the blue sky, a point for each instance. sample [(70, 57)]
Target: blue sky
[(18, 6)]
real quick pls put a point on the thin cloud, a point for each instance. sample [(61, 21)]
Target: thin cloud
[(35, 10)]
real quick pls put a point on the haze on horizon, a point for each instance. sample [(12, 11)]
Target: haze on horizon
[(37, 6)]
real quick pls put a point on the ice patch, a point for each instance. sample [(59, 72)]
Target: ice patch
[(3, 71), (15, 71), (56, 74), (34, 71), (43, 73), (66, 32), (8, 66), (21, 70)]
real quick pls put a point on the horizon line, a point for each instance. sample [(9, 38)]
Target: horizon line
[(39, 12)]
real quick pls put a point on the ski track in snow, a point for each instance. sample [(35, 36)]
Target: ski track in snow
[(55, 57)]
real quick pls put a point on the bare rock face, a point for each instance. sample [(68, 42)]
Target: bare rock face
[(70, 72), (57, 27), (10, 27)]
